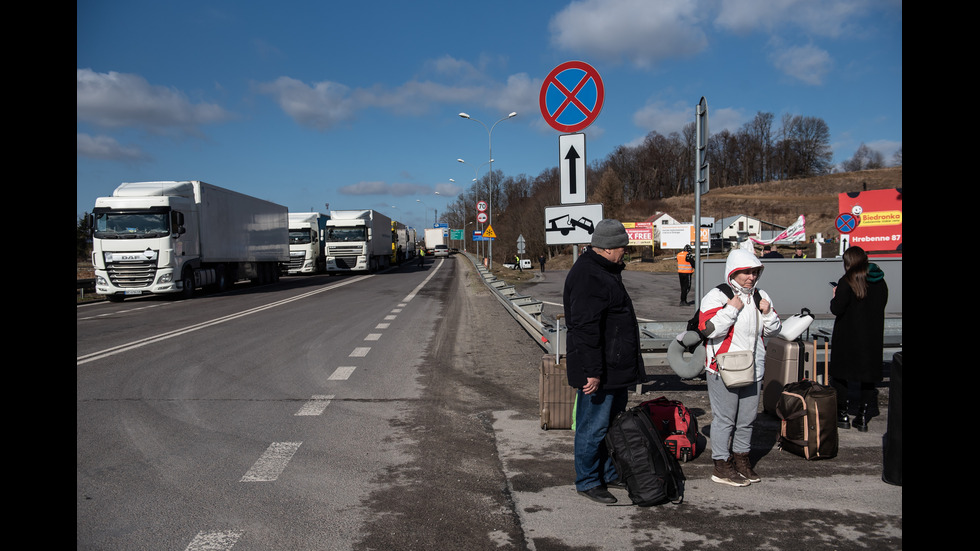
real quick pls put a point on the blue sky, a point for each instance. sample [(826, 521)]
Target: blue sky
[(356, 104)]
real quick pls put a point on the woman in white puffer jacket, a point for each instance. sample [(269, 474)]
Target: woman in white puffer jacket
[(732, 324)]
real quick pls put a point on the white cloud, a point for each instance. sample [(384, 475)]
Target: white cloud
[(641, 32), (105, 148), (321, 106), (808, 64), (117, 100), (382, 188), (828, 18)]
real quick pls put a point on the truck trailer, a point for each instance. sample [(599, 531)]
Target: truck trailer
[(306, 251), (433, 237), (403, 242), (171, 237), (357, 241)]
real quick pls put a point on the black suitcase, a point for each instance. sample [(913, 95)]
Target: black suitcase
[(808, 426), (652, 475), (786, 362)]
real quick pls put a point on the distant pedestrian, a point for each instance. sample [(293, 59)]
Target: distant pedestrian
[(517, 259), (799, 253), (421, 257), (541, 260), (685, 269), (768, 252)]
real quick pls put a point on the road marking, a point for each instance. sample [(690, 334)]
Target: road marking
[(315, 405), (214, 541), (382, 326), (342, 373), (360, 352), (396, 311), (178, 332), (416, 290), (389, 318), (272, 463), (372, 336)]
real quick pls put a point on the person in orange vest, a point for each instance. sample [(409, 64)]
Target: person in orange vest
[(685, 269)]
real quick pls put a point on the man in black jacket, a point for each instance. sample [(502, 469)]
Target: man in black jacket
[(603, 353)]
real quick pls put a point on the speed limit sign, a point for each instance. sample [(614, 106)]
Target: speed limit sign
[(481, 206)]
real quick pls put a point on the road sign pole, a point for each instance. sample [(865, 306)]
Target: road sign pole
[(701, 186)]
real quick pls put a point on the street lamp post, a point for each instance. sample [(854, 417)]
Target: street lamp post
[(490, 156), (476, 179)]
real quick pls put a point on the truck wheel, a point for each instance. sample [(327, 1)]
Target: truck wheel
[(188, 284)]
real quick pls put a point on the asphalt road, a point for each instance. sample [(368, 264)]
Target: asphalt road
[(433, 444)]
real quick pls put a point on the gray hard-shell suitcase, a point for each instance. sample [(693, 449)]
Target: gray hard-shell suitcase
[(786, 362)]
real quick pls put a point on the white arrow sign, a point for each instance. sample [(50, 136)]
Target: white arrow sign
[(571, 163)]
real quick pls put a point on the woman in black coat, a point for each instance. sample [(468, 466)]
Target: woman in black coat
[(859, 304)]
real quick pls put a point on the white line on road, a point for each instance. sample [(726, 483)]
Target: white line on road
[(176, 333), (315, 405), (342, 373), (360, 352), (372, 336), (272, 463), (215, 541)]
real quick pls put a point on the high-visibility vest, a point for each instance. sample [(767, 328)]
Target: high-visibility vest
[(683, 266)]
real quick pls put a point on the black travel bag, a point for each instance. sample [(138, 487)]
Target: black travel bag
[(652, 474)]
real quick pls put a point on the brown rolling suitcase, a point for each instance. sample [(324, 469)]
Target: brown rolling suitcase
[(556, 399), (786, 362), (808, 414)]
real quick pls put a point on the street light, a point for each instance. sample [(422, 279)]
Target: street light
[(490, 156), (426, 207), (476, 179)]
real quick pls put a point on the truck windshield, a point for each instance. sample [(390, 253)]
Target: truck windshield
[(346, 234), (117, 225), (299, 237)]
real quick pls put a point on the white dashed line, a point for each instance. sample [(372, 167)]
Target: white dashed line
[(360, 352), (382, 326), (215, 541), (342, 373), (372, 336), (315, 405), (272, 463)]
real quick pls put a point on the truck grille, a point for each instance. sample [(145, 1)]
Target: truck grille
[(346, 262), (131, 274), (296, 261)]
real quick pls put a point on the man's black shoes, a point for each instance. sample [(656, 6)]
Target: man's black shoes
[(599, 495), (618, 483)]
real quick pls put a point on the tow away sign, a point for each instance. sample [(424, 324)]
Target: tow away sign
[(571, 224)]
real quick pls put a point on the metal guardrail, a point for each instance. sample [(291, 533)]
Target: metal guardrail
[(655, 337)]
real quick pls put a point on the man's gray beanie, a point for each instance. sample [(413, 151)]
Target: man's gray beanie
[(610, 234)]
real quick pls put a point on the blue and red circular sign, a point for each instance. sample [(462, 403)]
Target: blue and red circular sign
[(846, 223), (571, 96)]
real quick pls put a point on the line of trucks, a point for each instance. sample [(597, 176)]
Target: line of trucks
[(172, 237)]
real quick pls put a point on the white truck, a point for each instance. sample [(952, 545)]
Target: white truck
[(404, 245), (306, 251), (175, 236), (433, 237), (357, 241)]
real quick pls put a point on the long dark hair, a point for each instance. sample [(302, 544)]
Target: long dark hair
[(856, 270)]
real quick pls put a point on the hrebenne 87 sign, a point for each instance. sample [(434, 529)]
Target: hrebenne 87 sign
[(571, 96)]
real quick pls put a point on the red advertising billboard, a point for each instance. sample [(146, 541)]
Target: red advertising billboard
[(872, 220)]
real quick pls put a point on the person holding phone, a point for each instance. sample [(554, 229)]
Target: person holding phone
[(858, 303)]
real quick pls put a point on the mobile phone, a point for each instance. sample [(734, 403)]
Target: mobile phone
[(833, 284)]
